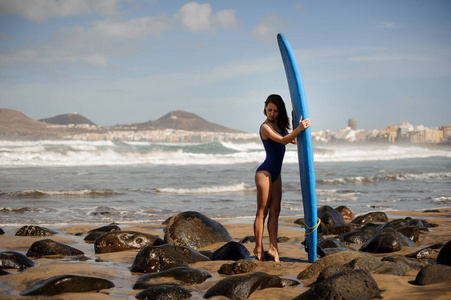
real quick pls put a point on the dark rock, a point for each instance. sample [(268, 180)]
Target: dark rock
[(208, 254), (97, 232), (195, 230), (164, 292), (248, 239), (395, 224), (411, 232), (14, 260), (242, 286), (342, 229), (345, 212), (330, 217), (231, 251), (158, 242), (333, 245), (444, 256), (387, 241), (358, 285), (153, 259), (332, 271), (50, 247), (238, 267), (322, 229), (372, 217), (67, 284), (333, 242), (123, 240), (376, 266), (430, 252), (179, 276), (406, 262), (434, 273), (1, 231), (31, 230), (3, 272), (420, 224), (299, 221), (360, 236), (313, 270)]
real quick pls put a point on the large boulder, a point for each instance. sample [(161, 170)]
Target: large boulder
[(313, 270), (179, 276), (345, 212), (231, 251), (376, 266), (389, 240), (51, 248), (330, 217), (152, 259), (434, 273), (164, 292), (238, 267), (96, 232), (242, 286), (372, 217), (34, 230), (349, 285), (360, 236), (195, 230), (429, 252), (123, 240), (67, 284), (14, 260), (444, 256)]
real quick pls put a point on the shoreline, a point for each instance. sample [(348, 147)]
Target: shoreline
[(115, 266)]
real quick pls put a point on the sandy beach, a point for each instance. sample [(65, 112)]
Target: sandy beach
[(115, 266)]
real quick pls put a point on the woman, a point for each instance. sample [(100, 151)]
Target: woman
[(274, 135)]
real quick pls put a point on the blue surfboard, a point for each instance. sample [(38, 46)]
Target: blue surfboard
[(304, 145)]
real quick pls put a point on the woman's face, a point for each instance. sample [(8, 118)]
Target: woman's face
[(271, 111)]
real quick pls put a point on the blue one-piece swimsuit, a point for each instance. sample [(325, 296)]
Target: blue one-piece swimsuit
[(274, 157)]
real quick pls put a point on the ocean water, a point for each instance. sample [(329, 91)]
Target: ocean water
[(69, 182)]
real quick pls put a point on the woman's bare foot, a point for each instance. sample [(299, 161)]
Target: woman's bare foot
[(274, 253), (259, 254)]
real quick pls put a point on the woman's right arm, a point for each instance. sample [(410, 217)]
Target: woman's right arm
[(268, 132)]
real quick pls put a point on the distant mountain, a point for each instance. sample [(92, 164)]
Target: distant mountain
[(66, 119), (15, 123), (17, 126), (182, 120)]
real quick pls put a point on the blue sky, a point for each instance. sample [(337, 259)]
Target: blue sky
[(117, 62)]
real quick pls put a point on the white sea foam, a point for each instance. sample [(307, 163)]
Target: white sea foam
[(94, 153), (345, 153), (241, 187)]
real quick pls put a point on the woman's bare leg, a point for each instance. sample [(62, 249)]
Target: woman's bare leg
[(273, 219), (263, 184)]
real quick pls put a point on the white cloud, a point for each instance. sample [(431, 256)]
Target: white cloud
[(40, 10), (268, 28), (94, 43), (199, 18)]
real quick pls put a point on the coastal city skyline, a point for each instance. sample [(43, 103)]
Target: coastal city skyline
[(130, 61)]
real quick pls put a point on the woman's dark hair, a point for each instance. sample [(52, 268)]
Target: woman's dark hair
[(283, 122)]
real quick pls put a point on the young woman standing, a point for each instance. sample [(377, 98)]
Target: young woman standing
[(274, 135)]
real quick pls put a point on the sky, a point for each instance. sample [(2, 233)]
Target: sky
[(127, 61)]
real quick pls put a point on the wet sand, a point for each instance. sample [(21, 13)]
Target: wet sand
[(115, 266)]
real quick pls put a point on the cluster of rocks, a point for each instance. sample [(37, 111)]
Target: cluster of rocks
[(376, 234), (164, 264)]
